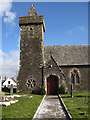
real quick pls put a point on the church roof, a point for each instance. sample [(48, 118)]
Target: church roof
[(32, 11), (68, 54)]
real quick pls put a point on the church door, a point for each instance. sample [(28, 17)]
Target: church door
[(52, 85)]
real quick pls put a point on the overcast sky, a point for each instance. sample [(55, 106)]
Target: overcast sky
[(66, 24)]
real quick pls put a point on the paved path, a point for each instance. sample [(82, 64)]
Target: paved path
[(51, 108)]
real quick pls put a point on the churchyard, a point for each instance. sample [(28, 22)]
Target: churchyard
[(18, 105), (26, 107), (78, 106)]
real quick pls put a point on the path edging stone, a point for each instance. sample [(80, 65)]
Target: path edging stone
[(65, 108), (38, 108)]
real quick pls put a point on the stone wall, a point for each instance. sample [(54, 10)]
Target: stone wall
[(83, 73), (64, 75), (51, 68)]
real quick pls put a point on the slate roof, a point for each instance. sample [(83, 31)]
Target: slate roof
[(68, 54)]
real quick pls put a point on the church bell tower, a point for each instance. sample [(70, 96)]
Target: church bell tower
[(30, 76)]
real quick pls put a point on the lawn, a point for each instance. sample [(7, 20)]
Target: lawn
[(25, 108), (78, 105)]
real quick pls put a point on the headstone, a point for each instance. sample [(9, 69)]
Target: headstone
[(71, 90), (11, 89)]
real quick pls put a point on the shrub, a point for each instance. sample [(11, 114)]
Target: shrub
[(42, 91), (62, 90)]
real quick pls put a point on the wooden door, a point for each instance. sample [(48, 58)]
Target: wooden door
[(52, 85)]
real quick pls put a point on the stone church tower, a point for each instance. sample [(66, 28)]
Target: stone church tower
[(30, 75)]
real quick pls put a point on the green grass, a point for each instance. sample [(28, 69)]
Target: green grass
[(78, 105), (25, 108)]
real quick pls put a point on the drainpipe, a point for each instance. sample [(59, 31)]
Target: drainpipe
[(43, 75)]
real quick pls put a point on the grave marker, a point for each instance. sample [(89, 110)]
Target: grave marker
[(11, 89), (71, 90)]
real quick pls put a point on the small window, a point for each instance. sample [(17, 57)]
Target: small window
[(8, 82), (31, 32)]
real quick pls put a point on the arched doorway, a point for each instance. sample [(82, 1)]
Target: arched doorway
[(52, 85)]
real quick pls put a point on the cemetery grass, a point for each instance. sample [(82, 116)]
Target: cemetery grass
[(79, 105), (25, 108)]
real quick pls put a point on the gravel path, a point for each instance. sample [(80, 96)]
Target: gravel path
[(51, 108)]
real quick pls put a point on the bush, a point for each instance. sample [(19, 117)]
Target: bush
[(42, 91), (62, 90)]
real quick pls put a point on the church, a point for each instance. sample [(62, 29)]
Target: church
[(49, 66)]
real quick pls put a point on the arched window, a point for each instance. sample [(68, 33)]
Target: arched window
[(75, 76)]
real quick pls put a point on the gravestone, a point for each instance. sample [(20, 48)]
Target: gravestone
[(11, 89), (71, 90)]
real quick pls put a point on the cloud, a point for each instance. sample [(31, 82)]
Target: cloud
[(5, 6), (11, 58), (5, 11), (9, 71), (70, 32), (9, 63), (81, 28), (18, 45), (73, 30), (1, 53), (10, 16)]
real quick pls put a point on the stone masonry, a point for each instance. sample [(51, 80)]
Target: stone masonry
[(31, 52), (38, 62)]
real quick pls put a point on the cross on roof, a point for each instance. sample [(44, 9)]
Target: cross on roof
[(32, 11)]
